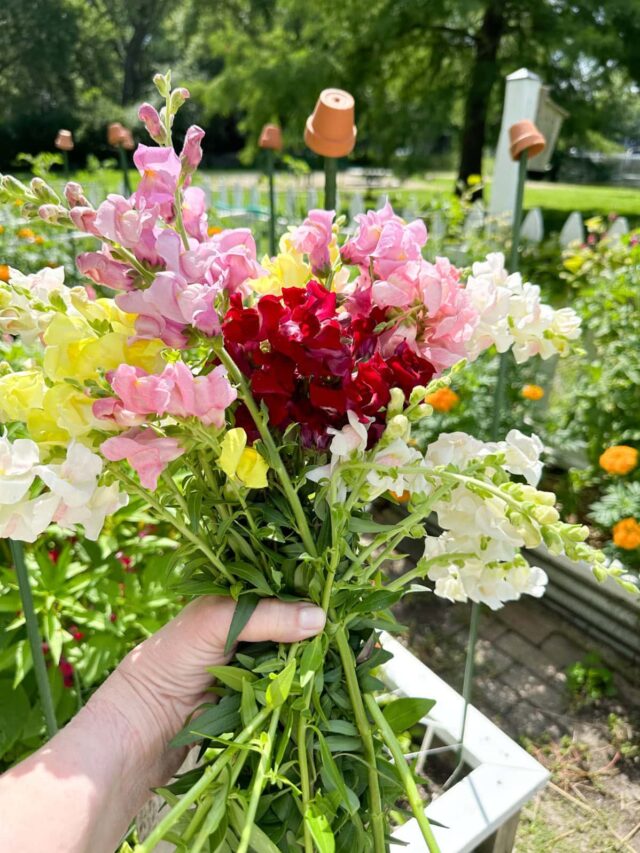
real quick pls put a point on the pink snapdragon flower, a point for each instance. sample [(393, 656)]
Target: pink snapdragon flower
[(191, 153), (160, 171), (105, 270), (141, 392), (112, 409), (146, 452), (194, 213), (84, 218), (74, 194), (204, 397), (233, 261), (370, 225), (118, 219), (441, 318), (398, 244), (148, 115), (175, 391), (313, 238)]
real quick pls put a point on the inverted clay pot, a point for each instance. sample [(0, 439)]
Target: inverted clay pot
[(126, 140), (525, 136), (64, 140), (115, 134), (330, 129), (271, 137)]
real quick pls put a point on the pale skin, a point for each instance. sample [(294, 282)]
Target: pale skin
[(79, 792)]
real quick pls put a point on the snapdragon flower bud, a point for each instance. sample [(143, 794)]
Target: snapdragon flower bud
[(43, 192), (422, 411), (545, 514), (55, 214), (149, 116), (191, 153), (14, 188), (74, 194), (30, 209), (398, 427), (418, 394), (552, 540), (177, 99), (396, 403), (162, 83)]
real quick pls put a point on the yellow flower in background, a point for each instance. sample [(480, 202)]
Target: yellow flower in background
[(212, 230), (619, 459), (594, 223), (4, 271), (1, 229), (626, 534), (443, 400), (532, 392), (43, 428), (241, 462), (573, 263), (286, 269), (20, 393), (474, 180), (69, 410), (26, 234)]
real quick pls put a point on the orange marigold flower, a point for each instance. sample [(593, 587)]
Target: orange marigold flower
[(4, 272), (403, 498), (39, 240), (626, 534), (26, 234), (532, 392), (443, 400), (213, 229), (619, 459), (1, 229)]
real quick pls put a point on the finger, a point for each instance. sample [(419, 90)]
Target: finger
[(283, 621)]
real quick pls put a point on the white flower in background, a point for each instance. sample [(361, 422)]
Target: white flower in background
[(26, 520), (457, 448), (74, 480), (104, 501), (352, 438), (512, 315), (396, 455), (25, 303), (18, 460), (522, 455)]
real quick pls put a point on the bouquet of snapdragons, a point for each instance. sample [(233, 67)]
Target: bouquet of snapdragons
[(259, 408)]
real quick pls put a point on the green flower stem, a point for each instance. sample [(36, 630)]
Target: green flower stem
[(35, 640), (168, 479), (199, 815), (275, 458), (305, 781), (205, 831), (258, 784), (417, 806), (209, 774), (420, 571), (364, 729), (335, 553), (175, 522), (130, 258), (179, 223)]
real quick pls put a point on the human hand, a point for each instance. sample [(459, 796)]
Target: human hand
[(79, 792)]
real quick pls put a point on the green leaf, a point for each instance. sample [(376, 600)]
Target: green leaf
[(311, 661), (402, 714), (260, 841), (232, 676), (320, 830), (330, 769), (14, 711), (244, 609), (248, 704), (222, 718), (279, 689), (378, 599), (23, 661), (252, 575)]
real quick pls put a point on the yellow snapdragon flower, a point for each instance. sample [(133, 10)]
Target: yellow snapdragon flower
[(21, 393), (287, 269), (242, 463)]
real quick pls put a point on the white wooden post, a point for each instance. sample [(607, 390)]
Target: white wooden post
[(572, 230), (520, 102), (533, 226)]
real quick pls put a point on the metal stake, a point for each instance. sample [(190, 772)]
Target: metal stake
[(330, 179), (35, 640), (272, 202)]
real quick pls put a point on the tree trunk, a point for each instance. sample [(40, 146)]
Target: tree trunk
[(484, 73), (134, 49)]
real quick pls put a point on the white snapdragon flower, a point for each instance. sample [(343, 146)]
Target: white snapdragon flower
[(348, 442), (396, 455), (18, 461), (104, 501), (27, 311), (74, 480), (457, 448), (466, 513), (27, 519), (522, 455)]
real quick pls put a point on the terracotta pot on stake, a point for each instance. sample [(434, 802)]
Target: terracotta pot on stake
[(271, 141), (330, 131), (64, 143), (526, 142), (120, 137)]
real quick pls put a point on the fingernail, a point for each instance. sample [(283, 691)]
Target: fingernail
[(311, 618)]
